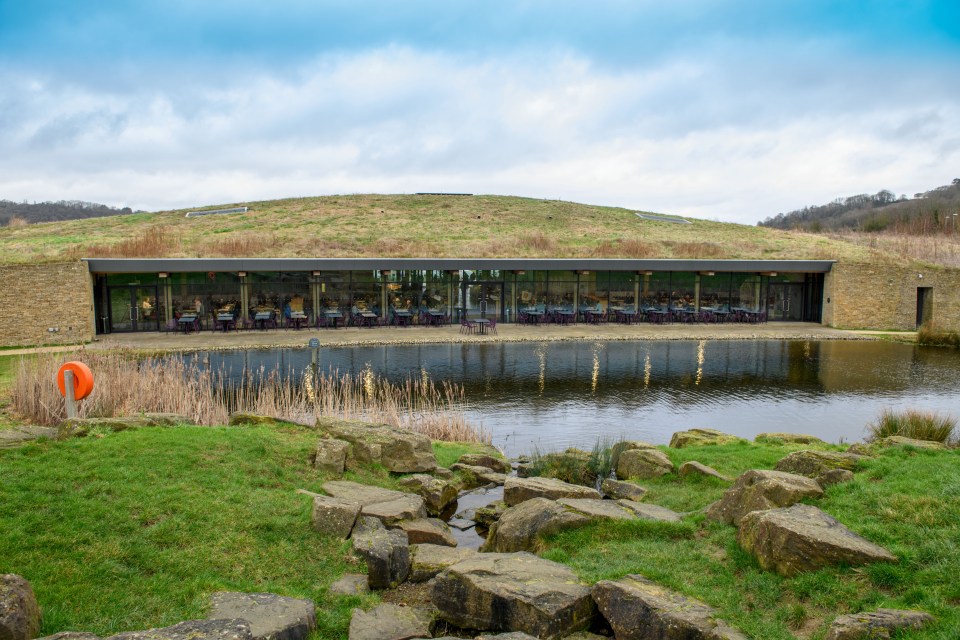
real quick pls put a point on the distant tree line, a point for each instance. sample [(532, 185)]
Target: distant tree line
[(925, 213), (18, 213)]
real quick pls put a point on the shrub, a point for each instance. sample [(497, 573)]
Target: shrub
[(587, 468), (931, 335), (919, 425)]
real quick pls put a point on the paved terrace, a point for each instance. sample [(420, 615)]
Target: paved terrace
[(207, 340)]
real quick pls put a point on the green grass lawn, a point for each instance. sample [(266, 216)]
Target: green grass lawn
[(907, 501), (135, 529), (415, 226)]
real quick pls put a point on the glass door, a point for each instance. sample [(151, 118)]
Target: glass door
[(785, 302), (482, 300), (134, 308)]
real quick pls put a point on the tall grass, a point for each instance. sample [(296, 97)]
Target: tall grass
[(931, 335), (919, 425), (587, 468), (153, 242), (126, 385)]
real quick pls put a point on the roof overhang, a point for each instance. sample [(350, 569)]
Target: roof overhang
[(184, 265)]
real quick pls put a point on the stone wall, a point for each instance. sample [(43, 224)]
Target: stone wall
[(35, 298), (874, 296)]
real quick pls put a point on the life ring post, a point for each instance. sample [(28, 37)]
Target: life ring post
[(71, 402), (75, 381)]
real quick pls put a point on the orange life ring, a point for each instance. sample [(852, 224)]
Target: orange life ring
[(82, 379)]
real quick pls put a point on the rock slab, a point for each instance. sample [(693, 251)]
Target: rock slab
[(513, 592), (639, 609), (386, 505), (876, 625), (436, 493), (620, 490), (334, 516), (398, 450), (351, 584), (812, 463), (699, 437), (19, 611), (520, 527), (386, 552), (757, 490), (483, 460), (643, 463), (804, 538), (224, 629), (390, 622), (427, 560), (331, 455), (271, 617), (427, 531), (517, 490), (694, 468)]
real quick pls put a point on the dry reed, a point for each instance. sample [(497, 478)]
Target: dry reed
[(128, 386), (155, 242)]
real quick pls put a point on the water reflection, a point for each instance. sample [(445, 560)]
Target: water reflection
[(554, 395)]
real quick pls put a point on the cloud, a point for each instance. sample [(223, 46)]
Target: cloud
[(721, 131)]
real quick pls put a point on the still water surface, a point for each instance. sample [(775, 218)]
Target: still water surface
[(556, 395)]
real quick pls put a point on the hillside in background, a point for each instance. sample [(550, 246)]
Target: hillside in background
[(20, 213), (414, 226), (925, 213)]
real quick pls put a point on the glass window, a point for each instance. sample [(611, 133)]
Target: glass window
[(655, 290), (683, 290), (622, 288), (532, 290), (715, 291), (746, 291), (561, 289), (204, 293), (594, 287)]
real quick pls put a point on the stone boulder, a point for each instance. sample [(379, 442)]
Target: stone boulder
[(387, 505), (787, 438), (639, 609), (757, 490), (331, 456), (876, 625), (804, 538), (476, 476), (237, 419), (392, 622), (694, 468), (385, 550), (427, 531), (351, 584), (19, 611), (598, 509), (398, 450), (443, 473), (427, 560), (643, 463), (271, 617), (223, 629), (437, 494), (812, 463), (834, 476), (620, 490), (22, 434), (334, 516), (700, 437), (513, 592), (487, 515), (650, 511), (901, 441), (83, 426), (520, 527), (483, 460), (517, 490), (72, 635), (513, 635)]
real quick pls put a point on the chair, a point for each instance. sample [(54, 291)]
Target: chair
[(466, 326), (171, 325), (492, 326)]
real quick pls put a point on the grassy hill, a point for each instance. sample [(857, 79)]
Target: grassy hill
[(415, 226)]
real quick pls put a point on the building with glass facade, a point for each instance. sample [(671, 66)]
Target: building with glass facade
[(152, 294)]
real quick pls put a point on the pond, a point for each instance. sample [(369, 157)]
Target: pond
[(555, 395)]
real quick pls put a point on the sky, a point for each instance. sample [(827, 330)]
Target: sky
[(729, 110)]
